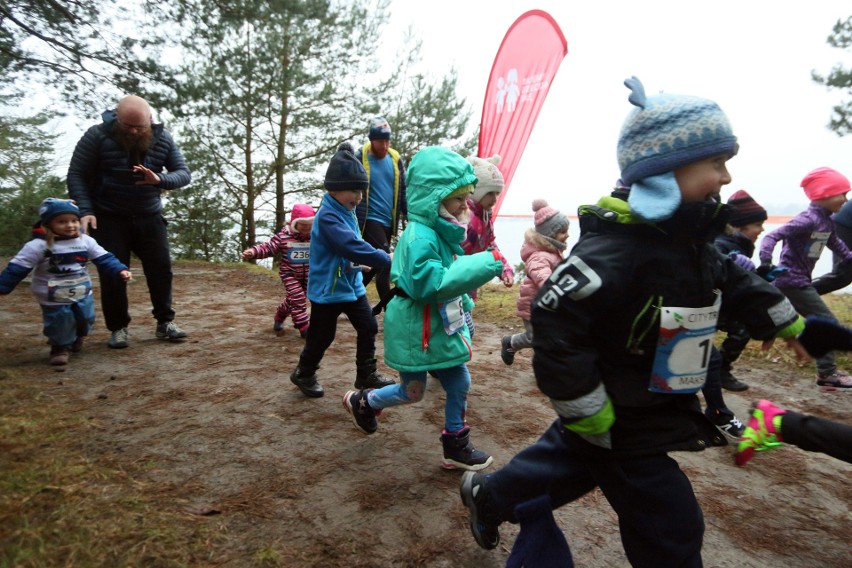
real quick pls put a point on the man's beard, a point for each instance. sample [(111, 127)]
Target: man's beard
[(136, 145)]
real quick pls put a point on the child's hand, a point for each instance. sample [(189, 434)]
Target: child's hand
[(126, 275), (793, 344), (248, 253), (508, 280)]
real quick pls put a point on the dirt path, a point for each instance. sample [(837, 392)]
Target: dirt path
[(214, 429)]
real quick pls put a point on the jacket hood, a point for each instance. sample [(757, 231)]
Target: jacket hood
[(434, 173)]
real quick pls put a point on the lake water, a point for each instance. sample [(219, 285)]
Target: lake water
[(510, 236)]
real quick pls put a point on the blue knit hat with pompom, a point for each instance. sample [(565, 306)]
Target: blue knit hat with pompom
[(662, 133)]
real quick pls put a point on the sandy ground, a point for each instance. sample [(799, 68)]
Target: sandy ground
[(213, 425)]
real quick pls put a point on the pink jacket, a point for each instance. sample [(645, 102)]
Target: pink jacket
[(480, 236), (540, 258)]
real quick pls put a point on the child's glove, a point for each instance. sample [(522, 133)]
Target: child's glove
[(822, 335), (769, 271), (742, 261), (540, 542)]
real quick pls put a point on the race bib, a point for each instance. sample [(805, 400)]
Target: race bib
[(299, 253), (452, 314), (683, 348), (68, 290)]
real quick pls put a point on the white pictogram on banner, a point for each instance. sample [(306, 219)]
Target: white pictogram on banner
[(512, 91)]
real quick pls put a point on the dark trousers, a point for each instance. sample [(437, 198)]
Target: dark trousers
[(323, 328), (379, 236), (712, 389), (818, 435), (659, 518), (147, 238)]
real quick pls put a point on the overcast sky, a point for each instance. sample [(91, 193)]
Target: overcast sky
[(753, 57)]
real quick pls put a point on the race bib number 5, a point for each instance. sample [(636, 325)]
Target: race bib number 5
[(683, 348), (68, 290)]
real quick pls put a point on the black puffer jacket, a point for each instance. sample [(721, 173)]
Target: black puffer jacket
[(92, 184), (596, 320)]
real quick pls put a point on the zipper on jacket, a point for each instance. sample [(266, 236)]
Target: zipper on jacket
[(427, 325)]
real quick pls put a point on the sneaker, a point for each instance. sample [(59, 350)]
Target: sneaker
[(727, 424), (363, 416), (731, 383), (59, 355), (77, 346), (835, 382), (307, 383), (118, 339), (483, 524), (506, 352), (169, 330), (762, 433)]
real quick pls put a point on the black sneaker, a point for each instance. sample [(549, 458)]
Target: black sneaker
[(506, 352), (307, 383), (363, 416), (169, 330), (483, 524), (727, 424), (731, 383)]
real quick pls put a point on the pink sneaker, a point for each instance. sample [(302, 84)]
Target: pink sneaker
[(762, 433), (836, 381)]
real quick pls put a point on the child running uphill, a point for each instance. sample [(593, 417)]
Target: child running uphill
[(425, 328), (541, 252), (621, 330), (57, 257), (804, 237), (293, 243), (335, 285)]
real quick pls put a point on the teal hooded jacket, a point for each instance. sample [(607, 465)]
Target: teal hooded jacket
[(430, 267)]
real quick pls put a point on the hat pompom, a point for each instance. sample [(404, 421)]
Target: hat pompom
[(538, 204)]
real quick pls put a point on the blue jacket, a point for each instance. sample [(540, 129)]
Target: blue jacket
[(337, 250), (92, 184)]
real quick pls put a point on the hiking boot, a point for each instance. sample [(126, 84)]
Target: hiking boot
[(762, 433), (118, 339), (77, 346), (731, 383), (459, 453), (726, 423), (59, 355), (484, 523), (362, 414), (307, 382), (169, 330), (506, 351), (835, 382), (367, 377)]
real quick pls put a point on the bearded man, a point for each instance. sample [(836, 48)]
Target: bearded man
[(118, 172)]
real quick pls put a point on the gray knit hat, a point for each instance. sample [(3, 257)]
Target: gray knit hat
[(548, 221), (662, 133), (345, 171)]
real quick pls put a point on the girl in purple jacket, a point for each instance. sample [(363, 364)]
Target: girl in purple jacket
[(805, 236)]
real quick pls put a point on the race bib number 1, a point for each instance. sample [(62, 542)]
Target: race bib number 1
[(683, 348)]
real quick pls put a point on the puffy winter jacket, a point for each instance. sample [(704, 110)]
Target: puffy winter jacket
[(430, 268), (93, 184), (540, 256)]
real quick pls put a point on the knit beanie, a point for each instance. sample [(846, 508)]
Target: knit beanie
[(301, 212), (379, 129), (745, 209), (488, 175), (345, 171), (51, 207), (824, 182), (661, 134), (548, 221)]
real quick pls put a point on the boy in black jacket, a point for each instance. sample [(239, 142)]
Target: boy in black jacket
[(622, 337)]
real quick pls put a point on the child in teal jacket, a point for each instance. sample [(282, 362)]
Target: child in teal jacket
[(424, 327)]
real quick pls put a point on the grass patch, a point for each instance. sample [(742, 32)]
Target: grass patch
[(59, 507)]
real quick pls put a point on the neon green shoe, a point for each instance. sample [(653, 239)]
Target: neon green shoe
[(762, 433)]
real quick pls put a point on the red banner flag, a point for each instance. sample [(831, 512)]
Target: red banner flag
[(520, 78)]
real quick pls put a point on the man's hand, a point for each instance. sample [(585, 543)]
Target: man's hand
[(87, 221), (150, 177)]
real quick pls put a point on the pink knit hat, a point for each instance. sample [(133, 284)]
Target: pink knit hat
[(824, 182), (301, 212), (548, 221)]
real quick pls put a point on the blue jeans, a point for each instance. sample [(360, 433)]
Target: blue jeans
[(64, 323), (412, 387)]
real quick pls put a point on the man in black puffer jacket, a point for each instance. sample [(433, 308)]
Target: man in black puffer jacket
[(118, 172)]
